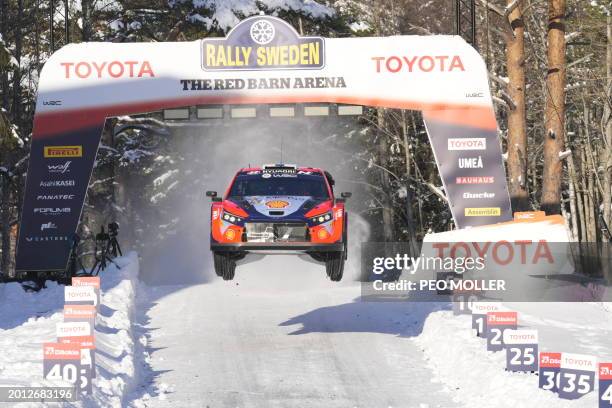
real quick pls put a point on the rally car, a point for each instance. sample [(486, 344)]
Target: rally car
[(279, 209)]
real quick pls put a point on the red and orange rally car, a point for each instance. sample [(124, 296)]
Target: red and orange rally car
[(279, 209)]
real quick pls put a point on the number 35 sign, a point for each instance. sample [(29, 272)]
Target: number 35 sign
[(577, 375)]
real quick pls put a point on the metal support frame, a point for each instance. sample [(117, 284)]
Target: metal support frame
[(465, 20)]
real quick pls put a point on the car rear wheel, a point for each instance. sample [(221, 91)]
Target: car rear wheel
[(225, 265), (334, 265)]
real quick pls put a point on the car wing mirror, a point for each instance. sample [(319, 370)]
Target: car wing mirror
[(346, 194), (213, 196)]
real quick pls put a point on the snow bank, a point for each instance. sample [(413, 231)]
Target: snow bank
[(27, 320), (476, 377)]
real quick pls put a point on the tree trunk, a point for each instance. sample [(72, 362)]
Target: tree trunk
[(555, 108), (383, 152), (517, 128), (86, 7), (606, 153), (573, 185)]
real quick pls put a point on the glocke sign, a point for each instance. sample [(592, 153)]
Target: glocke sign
[(262, 60)]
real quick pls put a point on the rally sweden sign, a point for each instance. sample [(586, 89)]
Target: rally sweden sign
[(263, 43)]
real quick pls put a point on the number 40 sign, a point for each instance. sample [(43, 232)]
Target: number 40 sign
[(605, 385)]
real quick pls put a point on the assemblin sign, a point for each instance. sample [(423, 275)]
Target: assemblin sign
[(263, 42)]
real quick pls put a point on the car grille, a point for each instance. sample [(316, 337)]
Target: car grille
[(276, 232)]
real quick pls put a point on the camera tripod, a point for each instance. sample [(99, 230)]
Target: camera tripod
[(106, 245)]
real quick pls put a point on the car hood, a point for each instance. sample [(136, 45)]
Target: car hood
[(278, 206)]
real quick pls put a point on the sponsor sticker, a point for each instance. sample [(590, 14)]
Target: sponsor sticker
[(63, 151), (470, 162), (497, 324), (57, 183), (59, 168), (478, 195), (84, 295), (550, 365), (277, 204), (33, 238), (52, 210), (55, 197), (482, 212), (472, 143), (475, 180), (48, 225)]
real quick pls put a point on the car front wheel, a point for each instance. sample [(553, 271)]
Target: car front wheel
[(334, 265), (225, 265)]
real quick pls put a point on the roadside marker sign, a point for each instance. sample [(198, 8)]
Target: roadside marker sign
[(521, 350), (497, 324), (605, 385), (550, 365), (577, 375), (479, 315)]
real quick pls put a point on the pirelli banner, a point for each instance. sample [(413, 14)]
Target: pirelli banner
[(262, 60)]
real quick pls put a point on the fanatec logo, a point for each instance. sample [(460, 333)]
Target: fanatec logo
[(55, 197), (59, 168), (48, 225)]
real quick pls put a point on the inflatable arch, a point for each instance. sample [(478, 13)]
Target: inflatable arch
[(262, 61)]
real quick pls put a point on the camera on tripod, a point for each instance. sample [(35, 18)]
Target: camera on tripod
[(113, 229)]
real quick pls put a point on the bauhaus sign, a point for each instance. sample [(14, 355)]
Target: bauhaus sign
[(263, 60)]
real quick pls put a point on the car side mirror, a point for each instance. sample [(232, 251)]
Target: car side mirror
[(213, 196), (346, 194)]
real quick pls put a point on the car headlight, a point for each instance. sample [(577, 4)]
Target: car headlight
[(231, 218), (321, 218)]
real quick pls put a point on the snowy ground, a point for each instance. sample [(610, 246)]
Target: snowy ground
[(284, 337), (27, 320)]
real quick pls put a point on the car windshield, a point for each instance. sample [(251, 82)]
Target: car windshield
[(266, 184)]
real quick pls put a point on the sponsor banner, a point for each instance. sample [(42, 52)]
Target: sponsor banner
[(497, 324), (472, 173), (605, 385), (548, 374), (521, 350), (83, 295), (58, 175), (576, 375)]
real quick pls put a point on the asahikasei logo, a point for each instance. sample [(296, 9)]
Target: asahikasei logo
[(263, 43)]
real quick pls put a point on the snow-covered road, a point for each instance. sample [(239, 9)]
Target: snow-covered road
[(279, 337)]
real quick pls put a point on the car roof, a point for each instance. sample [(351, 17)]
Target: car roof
[(314, 169)]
